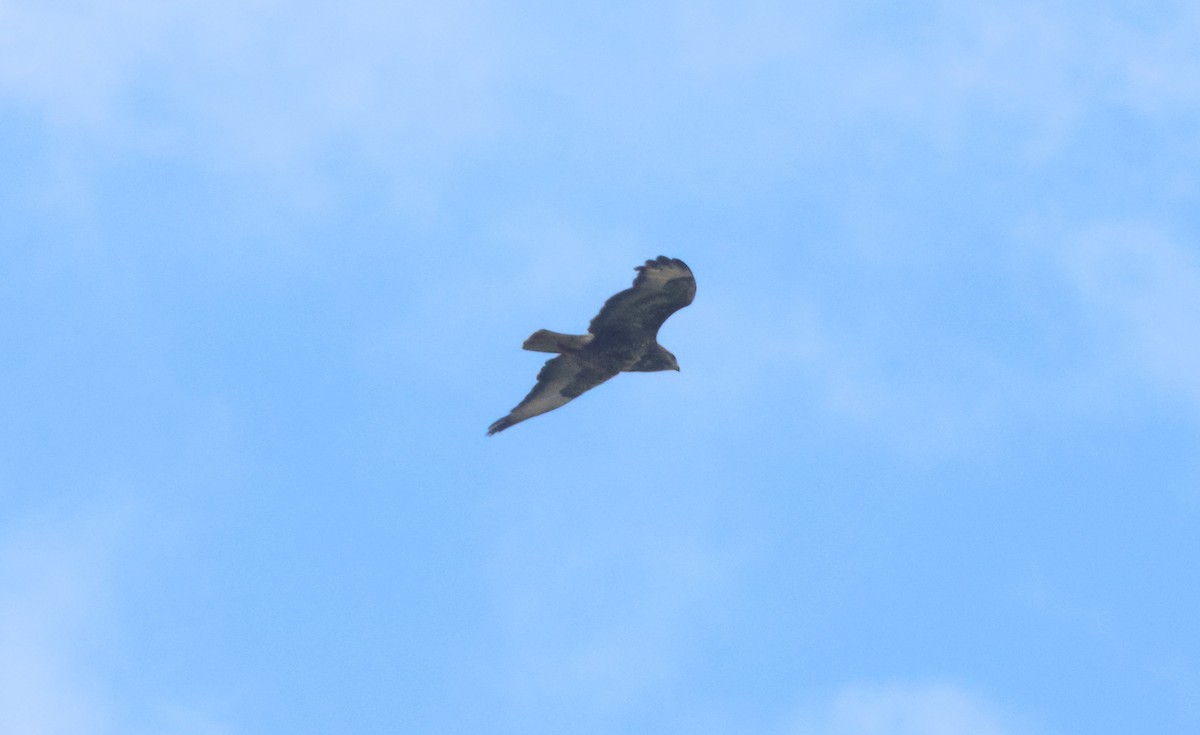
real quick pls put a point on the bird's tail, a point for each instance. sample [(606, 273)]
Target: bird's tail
[(543, 340)]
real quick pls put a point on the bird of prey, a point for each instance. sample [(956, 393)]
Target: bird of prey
[(622, 338)]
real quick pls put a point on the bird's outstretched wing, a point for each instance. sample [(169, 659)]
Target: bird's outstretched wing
[(663, 286), (561, 379)]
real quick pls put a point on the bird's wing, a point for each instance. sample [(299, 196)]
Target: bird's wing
[(663, 286), (561, 379)]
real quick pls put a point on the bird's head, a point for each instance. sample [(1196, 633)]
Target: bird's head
[(655, 359)]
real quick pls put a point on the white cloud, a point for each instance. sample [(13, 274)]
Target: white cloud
[(1080, 330), (1117, 309), (946, 68), (55, 602), (723, 100), (59, 627), (267, 81), (806, 355), (259, 85), (906, 709), (1142, 290)]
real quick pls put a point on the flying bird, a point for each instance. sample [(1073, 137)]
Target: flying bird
[(622, 338)]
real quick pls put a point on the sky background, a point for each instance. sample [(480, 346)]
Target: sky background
[(931, 467)]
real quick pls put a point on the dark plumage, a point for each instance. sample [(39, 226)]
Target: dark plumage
[(622, 338)]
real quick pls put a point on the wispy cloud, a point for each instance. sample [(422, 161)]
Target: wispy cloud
[(265, 82), (55, 612), (260, 86), (1080, 320), (923, 398), (906, 709), (60, 612), (946, 68), (1142, 293)]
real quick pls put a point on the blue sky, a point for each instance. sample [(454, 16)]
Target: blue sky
[(930, 466)]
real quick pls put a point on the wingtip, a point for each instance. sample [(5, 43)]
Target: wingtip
[(662, 261), (655, 262)]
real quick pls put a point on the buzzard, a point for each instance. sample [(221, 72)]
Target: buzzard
[(622, 338)]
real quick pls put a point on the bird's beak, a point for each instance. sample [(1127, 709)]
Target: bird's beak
[(676, 368)]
